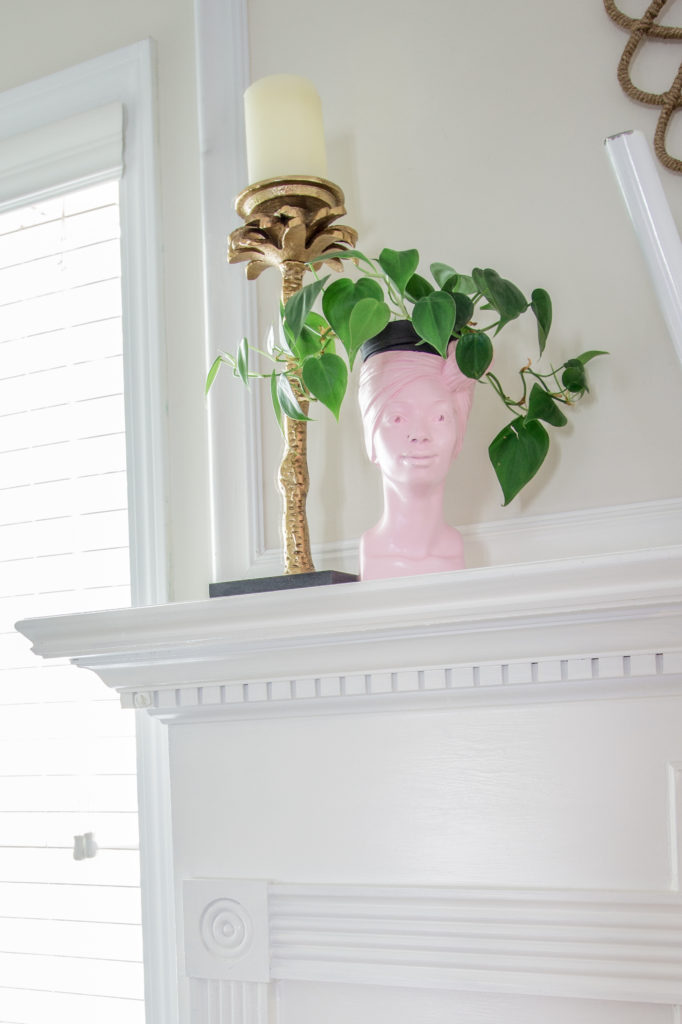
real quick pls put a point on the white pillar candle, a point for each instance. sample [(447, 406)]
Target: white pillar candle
[(284, 133)]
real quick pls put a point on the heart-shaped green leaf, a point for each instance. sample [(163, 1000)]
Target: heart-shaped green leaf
[(368, 318), (417, 287), (316, 323), (288, 400), (503, 296), (517, 453), (326, 377), (442, 273), (479, 278), (592, 354), (509, 299), (474, 354), (340, 299), (300, 304), (574, 378), (541, 406), (433, 318), (337, 303), (307, 344), (323, 330), (343, 254), (466, 284), (450, 281), (399, 266), (465, 309), (366, 288), (541, 304)]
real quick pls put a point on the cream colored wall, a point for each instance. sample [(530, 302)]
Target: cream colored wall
[(473, 131), (40, 37)]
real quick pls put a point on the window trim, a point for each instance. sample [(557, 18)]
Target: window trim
[(128, 75), (237, 527)]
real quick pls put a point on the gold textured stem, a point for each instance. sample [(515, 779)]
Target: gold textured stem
[(293, 484), (293, 477), (292, 278)]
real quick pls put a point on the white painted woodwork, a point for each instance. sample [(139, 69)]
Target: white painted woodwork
[(575, 943), (224, 1002), (452, 797), (226, 930), (527, 538)]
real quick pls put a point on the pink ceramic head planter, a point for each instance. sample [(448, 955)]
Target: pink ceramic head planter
[(415, 406)]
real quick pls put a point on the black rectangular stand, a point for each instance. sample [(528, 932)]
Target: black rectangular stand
[(324, 578)]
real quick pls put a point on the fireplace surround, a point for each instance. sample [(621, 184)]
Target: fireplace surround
[(448, 797)]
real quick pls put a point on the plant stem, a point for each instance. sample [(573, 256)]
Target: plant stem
[(560, 395), (499, 390)]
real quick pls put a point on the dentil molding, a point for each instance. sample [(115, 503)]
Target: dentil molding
[(568, 629)]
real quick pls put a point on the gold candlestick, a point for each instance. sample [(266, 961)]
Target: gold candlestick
[(290, 221)]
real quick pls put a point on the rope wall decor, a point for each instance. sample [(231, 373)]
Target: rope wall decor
[(641, 29)]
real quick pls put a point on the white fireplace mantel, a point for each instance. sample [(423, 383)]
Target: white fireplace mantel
[(538, 631), (444, 797)]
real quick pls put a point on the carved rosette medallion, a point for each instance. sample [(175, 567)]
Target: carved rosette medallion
[(226, 929)]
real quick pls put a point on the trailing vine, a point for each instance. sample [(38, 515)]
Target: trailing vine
[(316, 350)]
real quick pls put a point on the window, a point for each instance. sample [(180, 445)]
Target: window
[(70, 934), (81, 527)]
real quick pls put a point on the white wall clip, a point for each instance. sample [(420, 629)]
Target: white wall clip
[(84, 847)]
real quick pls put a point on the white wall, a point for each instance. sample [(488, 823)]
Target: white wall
[(473, 132)]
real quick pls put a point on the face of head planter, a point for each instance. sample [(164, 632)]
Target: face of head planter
[(388, 373)]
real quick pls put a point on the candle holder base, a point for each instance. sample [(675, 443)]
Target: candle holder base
[(323, 578)]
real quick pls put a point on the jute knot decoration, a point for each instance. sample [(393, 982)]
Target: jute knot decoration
[(642, 29)]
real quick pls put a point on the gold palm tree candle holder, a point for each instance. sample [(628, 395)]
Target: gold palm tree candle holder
[(289, 220)]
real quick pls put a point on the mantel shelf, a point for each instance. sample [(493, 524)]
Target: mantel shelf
[(593, 625)]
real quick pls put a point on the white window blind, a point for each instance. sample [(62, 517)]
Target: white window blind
[(58, 156), (70, 935)]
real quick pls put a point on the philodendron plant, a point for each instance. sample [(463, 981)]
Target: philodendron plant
[(315, 351)]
